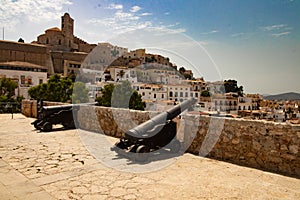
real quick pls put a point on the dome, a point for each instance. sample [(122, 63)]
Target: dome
[(54, 29)]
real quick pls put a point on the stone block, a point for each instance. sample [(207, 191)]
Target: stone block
[(294, 149), (288, 157), (283, 147), (235, 141)]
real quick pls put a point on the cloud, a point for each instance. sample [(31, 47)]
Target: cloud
[(15, 12), (274, 27), (280, 34), (166, 13), (146, 14), (113, 6), (277, 30), (135, 9), (122, 22), (210, 32)]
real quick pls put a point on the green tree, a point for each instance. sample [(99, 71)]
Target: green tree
[(121, 74), (120, 96), (205, 93), (56, 89), (181, 70), (7, 87), (105, 99), (80, 93), (231, 86)]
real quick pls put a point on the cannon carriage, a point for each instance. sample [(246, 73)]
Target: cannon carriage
[(47, 116), (154, 134)]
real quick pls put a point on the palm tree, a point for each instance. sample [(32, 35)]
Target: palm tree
[(121, 74)]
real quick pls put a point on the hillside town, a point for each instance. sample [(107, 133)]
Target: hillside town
[(160, 82)]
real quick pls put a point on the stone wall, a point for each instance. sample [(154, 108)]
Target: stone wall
[(25, 52), (29, 107), (264, 145), (110, 121)]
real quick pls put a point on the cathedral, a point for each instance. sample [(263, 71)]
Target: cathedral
[(53, 50)]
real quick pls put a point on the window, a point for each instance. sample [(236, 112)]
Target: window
[(171, 94), (162, 96), (154, 96), (22, 79), (181, 94), (29, 81), (47, 41), (186, 94), (196, 94)]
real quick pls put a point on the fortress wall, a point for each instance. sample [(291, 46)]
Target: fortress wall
[(25, 52), (264, 145), (29, 107), (58, 58)]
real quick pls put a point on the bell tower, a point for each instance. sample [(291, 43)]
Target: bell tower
[(67, 25)]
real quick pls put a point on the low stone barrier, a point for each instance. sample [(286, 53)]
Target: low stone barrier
[(29, 107), (259, 144), (264, 145)]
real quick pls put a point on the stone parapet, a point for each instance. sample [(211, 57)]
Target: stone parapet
[(29, 107), (263, 145)]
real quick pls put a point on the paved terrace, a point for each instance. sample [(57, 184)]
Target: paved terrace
[(56, 165)]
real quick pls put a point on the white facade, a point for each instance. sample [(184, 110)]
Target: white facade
[(25, 74), (129, 74), (245, 103), (181, 92), (164, 76), (151, 92)]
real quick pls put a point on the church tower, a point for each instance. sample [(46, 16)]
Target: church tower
[(67, 25), (67, 29)]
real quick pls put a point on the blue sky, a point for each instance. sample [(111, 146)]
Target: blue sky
[(255, 42)]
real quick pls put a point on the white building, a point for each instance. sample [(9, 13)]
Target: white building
[(102, 56), (181, 92), (123, 73), (151, 92), (245, 103), (25, 74)]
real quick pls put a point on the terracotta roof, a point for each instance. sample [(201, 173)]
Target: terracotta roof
[(54, 29)]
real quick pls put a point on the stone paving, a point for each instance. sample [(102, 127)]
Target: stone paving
[(56, 165)]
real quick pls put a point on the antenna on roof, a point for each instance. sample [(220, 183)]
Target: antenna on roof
[(3, 33)]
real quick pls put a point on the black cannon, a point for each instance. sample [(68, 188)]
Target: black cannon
[(153, 134), (47, 116)]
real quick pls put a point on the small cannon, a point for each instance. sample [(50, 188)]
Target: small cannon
[(47, 116), (153, 134)]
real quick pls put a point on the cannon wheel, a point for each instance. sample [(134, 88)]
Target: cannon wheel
[(47, 126), (175, 146), (36, 124), (141, 154)]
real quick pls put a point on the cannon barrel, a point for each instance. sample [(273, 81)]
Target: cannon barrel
[(159, 119), (67, 106)]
